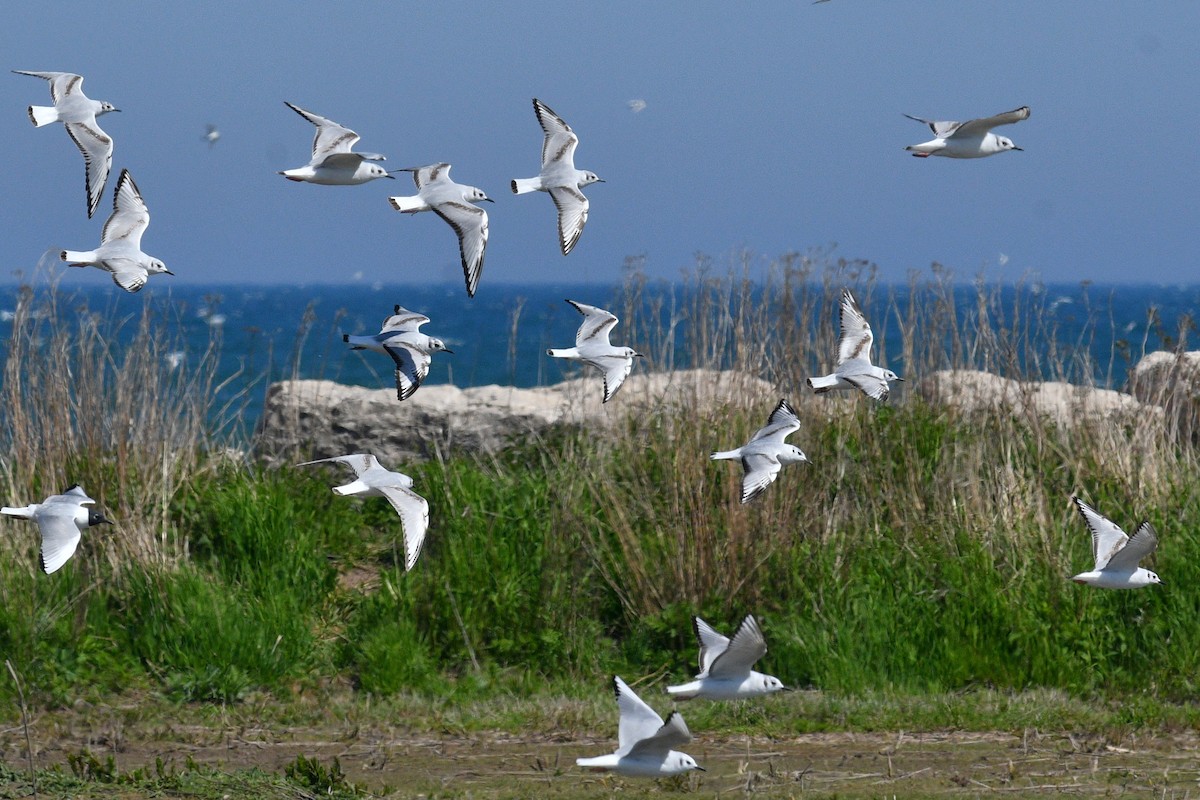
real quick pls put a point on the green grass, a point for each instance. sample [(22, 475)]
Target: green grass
[(523, 580), (924, 552)]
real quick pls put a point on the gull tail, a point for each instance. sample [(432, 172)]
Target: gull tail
[(78, 258), (686, 691), (568, 352), (523, 185), (715, 457), (24, 513), (823, 384), (408, 205), (354, 487), (43, 115)]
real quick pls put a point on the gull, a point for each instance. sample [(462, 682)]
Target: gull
[(592, 347), (77, 112), (725, 664), (333, 163), (970, 139), (452, 202), (375, 481), (211, 134), (61, 518), (400, 337), (766, 452), (1116, 554), (559, 178), (644, 741), (854, 369), (120, 250), (637, 105)]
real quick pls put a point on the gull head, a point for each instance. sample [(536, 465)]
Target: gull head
[(888, 375), (793, 454), (436, 345), (97, 518), (772, 684), (106, 107), (1152, 577), (474, 195), (1006, 144), (589, 178), (376, 171), (681, 762), (154, 266)]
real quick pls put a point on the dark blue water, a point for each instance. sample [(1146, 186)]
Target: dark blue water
[(500, 337)]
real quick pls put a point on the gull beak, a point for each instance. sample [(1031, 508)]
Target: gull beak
[(487, 200), (168, 272), (390, 175), (702, 769), (1022, 149), (639, 355), (447, 350)]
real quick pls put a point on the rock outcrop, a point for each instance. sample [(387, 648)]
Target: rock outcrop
[(1172, 382), (322, 418), (971, 391)]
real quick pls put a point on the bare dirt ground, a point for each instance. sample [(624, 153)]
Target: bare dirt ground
[(392, 762)]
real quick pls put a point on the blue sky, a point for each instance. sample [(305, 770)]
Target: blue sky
[(769, 127)]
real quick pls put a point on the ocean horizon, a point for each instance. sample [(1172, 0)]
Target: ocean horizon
[(266, 333)]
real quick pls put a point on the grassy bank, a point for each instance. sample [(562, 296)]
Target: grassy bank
[(923, 552)]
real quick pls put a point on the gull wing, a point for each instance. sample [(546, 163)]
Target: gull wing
[(1107, 538), (61, 83), (424, 176), (470, 222), (941, 129), (74, 495), (871, 386), (673, 733), (359, 462), (746, 647), (127, 274), (856, 338), (638, 721), (412, 365), (572, 208), (414, 519), (130, 216), (331, 138), (1141, 544), (979, 127), (560, 141), (712, 644), (60, 535), (403, 320), (782, 422), (595, 326), (761, 471), (97, 149), (616, 369)]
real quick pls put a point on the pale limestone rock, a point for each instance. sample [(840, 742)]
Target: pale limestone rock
[(1171, 381), (1064, 404), (312, 418)]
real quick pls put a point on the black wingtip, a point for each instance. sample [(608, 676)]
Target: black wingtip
[(346, 338)]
